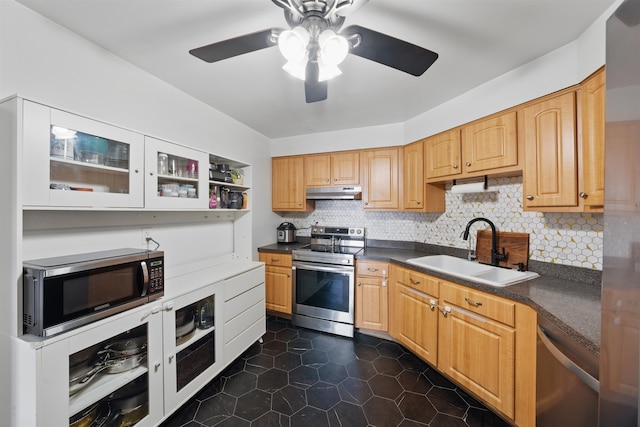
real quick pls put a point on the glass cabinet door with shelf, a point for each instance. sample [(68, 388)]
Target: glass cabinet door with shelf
[(192, 346), (110, 374), (175, 176), (73, 161)]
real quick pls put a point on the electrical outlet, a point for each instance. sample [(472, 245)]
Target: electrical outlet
[(146, 233)]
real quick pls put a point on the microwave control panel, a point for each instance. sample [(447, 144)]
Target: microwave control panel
[(156, 277)]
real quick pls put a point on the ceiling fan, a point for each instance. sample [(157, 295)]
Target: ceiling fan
[(314, 46)]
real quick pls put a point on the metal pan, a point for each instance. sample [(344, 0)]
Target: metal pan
[(111, 366)]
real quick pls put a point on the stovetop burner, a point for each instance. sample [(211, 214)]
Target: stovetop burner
[(332, 245)]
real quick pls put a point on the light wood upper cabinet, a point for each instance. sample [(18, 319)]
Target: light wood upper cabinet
[(287, 185), (550, 172), (372, 293), (592, 123), (341, 168), (413, 177), (380, 179), (442, 154), (482, 147), (278, 281), (415, 193), (490, 143)]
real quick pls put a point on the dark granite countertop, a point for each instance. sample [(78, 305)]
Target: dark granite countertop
[(570, 297)]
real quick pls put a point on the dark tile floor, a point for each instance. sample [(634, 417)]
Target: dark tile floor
[(300, 377)]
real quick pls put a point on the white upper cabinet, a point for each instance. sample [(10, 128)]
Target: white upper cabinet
[(176, 177), (72, 161)]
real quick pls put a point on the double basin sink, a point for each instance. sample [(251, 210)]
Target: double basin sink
[(472, 271)]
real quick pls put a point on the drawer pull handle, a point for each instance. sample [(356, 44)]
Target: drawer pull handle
[(275, 259), (414, 282), (432, 304), (473, 303), (446, 310), (372, 269)]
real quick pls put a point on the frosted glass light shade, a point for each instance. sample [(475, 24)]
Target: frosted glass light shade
[(293, 43), (333, 48)]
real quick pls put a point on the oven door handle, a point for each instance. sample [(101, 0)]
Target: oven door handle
[(319, 267)]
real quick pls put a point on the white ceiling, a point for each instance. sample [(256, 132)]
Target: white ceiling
[(477, 40)]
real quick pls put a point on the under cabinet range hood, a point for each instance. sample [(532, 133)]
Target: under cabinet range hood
[(334, 193)]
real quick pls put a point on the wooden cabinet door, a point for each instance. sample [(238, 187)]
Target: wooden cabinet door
[(442, 154), (278, 288), (380, 179), (479, 354), (317, 170), (415, 324), (345, 168), (287, 185), (372, 303), (490, 144), (413, 184), (550, 173), (592, 102)]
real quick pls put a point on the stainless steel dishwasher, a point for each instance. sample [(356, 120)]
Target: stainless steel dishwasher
[(566, 380)]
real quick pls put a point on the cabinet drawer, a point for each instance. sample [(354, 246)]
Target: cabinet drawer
[(374, 269), (480, 303), (274, 258), (418, 281), (236, 285)]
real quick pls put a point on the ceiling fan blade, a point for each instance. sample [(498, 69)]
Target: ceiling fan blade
[(236, 46), (313, 89), (389, 51)]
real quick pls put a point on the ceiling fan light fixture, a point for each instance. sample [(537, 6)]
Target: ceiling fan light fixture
[(327, 71), (333, 48), (296, 68), (293, 43)]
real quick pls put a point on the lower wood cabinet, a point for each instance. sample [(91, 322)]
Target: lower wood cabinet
[(474, 349), (414, 311), (372, 295), (278, 281), (482, 342)]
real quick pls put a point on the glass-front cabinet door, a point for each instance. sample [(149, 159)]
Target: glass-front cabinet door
[(111, 374), (73, 161), (192, 345), (176, 177)]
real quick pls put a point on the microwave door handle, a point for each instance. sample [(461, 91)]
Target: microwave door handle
[(145, 278)]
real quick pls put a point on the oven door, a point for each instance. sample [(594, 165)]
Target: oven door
[(324, 291)]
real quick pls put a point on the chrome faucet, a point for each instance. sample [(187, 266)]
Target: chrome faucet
[(495, 256)]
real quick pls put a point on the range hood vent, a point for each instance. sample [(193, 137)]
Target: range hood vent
[(334, 193)]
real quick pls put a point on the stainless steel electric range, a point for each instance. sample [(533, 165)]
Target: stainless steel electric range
[(324, 279)]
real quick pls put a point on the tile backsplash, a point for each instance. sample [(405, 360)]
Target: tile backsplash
[(564, 238)]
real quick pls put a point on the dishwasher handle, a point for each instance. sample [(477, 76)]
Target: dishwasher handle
[(583, 375)]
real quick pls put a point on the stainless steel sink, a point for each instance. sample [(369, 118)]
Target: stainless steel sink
[(472, 271)]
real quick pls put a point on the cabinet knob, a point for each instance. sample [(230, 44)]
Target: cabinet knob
[(156, 366), (419, 201), (366, 203), (327, 180), (359, 284), (529, 197), (446, 310), (335, 179), (136, 171), (468, 164), (455, 166), (288, 276), (583, 195), (171, 356), (150, 173)]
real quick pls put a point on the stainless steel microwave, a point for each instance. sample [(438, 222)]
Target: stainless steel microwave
[(63, 293)]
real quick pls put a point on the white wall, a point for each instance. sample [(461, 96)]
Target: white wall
[(47, 63)]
